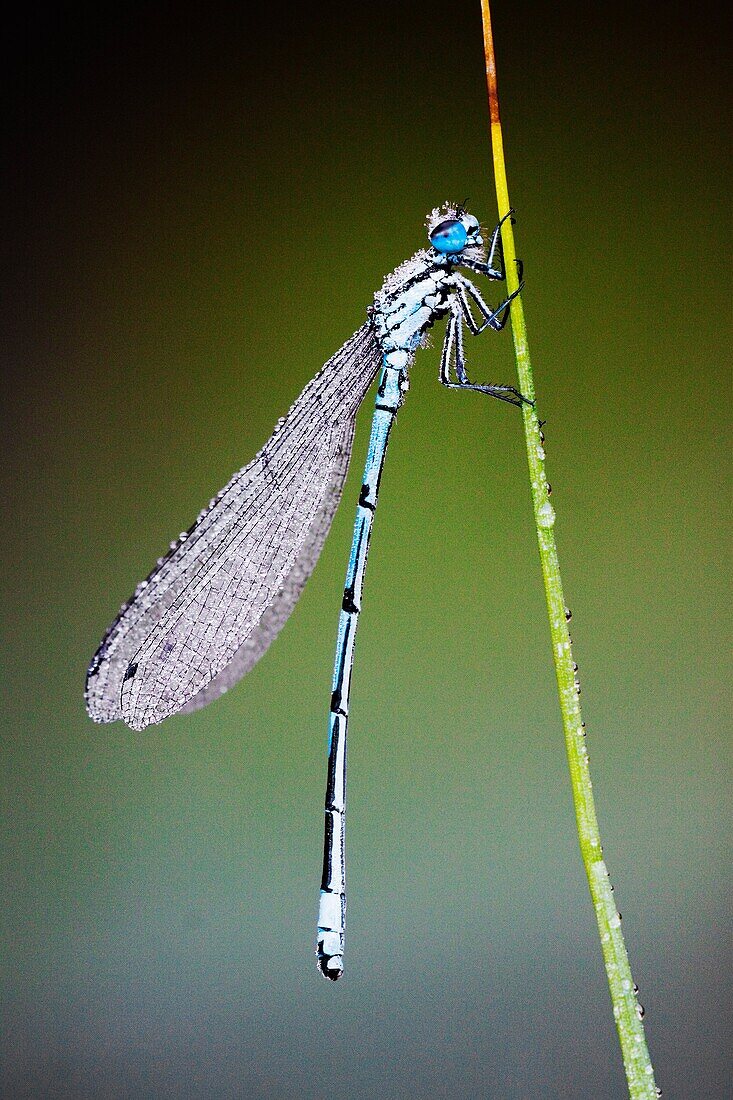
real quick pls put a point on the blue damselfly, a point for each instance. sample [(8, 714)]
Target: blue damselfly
[(220, 596)]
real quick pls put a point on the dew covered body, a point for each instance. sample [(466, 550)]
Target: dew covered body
[(410, 301), (215, 602)]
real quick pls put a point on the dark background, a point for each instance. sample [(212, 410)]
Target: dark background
[(200, 205)]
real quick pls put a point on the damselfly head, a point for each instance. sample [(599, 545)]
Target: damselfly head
[(452, 234)]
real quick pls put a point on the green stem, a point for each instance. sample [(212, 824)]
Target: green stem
[(626, 1009)]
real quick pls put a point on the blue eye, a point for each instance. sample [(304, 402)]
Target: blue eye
[(449, 236)]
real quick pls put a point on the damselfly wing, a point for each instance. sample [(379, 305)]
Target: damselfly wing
[(216, 601)]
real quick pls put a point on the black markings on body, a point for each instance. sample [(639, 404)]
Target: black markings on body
[(363, 502), (332, 767), (336, 703), (326, 873), (348, 605), (340, 676)]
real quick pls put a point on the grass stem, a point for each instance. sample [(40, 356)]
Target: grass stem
[(626, 1009)]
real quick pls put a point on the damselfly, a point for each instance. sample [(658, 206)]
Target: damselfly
[(219, 597)]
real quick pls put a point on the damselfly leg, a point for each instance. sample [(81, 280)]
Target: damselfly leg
[(452, 355)]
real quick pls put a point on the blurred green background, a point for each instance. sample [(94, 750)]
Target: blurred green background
[(199, 206)]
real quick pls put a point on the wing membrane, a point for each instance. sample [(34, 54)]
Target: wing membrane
[(214, 604)]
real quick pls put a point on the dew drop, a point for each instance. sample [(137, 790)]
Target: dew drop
[(542, 436), (575, 669), (568, 614), (546, 515), (549, 489), (640, 1011), (635, 988), (657, 1091)]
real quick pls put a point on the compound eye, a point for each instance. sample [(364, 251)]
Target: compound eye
[(449, 236)]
